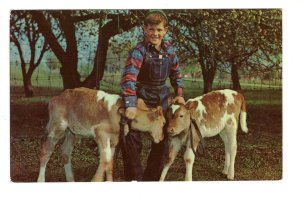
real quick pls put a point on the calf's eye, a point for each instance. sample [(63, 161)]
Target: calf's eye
[(181, 116)]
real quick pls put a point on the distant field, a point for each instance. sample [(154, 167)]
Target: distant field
[(49, 83)]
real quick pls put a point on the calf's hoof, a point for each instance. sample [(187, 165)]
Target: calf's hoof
[(230, 177), (225, 172)]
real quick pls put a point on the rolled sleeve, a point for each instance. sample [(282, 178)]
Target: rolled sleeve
[(130, 101), (176, 77)]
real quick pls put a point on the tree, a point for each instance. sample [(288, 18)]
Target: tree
[(196, 38), (67, 56), (110, 24), (222, 37), (119, 22), (242, 34), (24, 30)]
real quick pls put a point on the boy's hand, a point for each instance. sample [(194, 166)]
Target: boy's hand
[(130, 112), (179, 100)]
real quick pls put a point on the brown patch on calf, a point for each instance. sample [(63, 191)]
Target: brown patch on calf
[(230, 122), (152, 116), (86, 102), (188, 160), (214, 104), (155, 113), (236, 106)]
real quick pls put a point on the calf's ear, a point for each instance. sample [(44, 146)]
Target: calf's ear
[(141, 104), (191, 105), (160, 110), (121, 111), (171, 100)]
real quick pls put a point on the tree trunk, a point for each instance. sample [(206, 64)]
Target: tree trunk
[(208, 80), (68, 58), (70, 77), (235, 76), (27, 86), (26, 79), (208, 72), (93, 80), (105, 33)]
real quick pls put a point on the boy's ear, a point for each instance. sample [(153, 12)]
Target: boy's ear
[(166, 29)]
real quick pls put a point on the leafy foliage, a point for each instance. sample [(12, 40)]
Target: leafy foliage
[(228, 40)]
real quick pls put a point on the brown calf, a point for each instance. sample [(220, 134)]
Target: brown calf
[(96, 114), (215, 113)]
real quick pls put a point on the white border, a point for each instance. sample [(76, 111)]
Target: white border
[(179, 190)]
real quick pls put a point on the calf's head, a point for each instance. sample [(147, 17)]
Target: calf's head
[(149, 120), (179, 117)]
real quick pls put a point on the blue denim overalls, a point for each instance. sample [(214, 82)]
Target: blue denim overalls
[(151, 87)]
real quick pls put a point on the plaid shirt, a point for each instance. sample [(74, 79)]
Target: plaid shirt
[(135, 62)]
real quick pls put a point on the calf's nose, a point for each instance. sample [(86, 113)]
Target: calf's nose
[(171, 130), (162, 137)]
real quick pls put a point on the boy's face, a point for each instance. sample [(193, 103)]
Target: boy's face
[(155, 33)]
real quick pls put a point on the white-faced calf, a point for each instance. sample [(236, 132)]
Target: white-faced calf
[(217, 112), (96, 114)]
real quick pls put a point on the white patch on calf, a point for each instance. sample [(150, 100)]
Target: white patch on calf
[(174, 108), (64, 124), (101, 95), (110, 99), (176, 143), (229, 95), (107, 151)]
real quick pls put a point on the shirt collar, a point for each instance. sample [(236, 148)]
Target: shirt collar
[(149, 46)]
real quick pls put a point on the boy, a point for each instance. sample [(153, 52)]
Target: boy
[(147, 68)]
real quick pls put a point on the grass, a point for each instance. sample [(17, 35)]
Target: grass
[(259, 154), (258, 96)]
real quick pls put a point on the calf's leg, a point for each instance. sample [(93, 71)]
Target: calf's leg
[(232, 146), (227, 152), (174, 148), (105, 155), (55, 134), (189, 158), (67, 148), (109, 166)]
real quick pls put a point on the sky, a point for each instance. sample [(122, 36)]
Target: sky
[(177, 190)]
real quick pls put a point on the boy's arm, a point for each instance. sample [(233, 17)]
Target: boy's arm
[(129, 77), (176, 76)]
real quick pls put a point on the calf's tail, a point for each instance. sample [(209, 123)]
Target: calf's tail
[(243, 116)]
